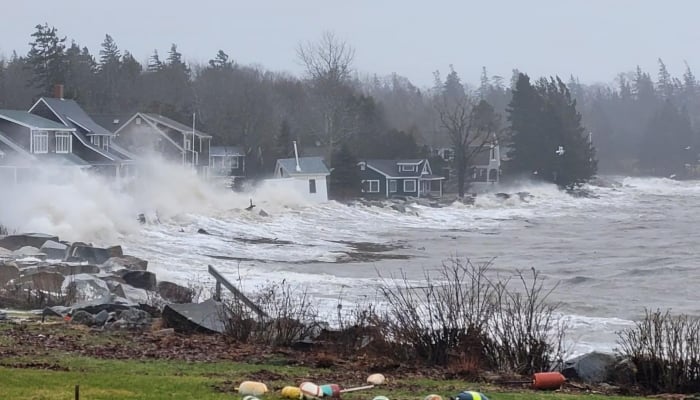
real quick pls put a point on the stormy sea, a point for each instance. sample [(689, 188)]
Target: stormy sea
[(630, 244)]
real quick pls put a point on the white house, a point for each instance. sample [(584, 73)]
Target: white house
[(305, 175)]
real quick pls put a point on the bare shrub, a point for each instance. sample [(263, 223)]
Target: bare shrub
[(445, 318), (526, 337), (665, 350), (359, 328)]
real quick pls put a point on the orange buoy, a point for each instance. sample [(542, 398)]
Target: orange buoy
[(547, 380)]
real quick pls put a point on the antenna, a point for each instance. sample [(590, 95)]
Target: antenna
[(296, 156)]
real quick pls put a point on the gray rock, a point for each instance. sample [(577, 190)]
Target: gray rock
[(101, 317), (593, 367), (400, 208), (175, 293), (83, 252), (8, 272), (130, 263), (76, 269), (45, 281), (87, 288), (54, 250), (140, 279), (135, 318), (262, 213), (15, 242), (3, 315), (83, 318), (29, 251)]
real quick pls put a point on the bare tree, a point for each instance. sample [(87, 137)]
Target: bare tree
[(470, 125), (328, 64)]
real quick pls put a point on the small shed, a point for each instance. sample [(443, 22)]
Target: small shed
[(305, 175)]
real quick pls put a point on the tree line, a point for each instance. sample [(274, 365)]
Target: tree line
[(550, 129)]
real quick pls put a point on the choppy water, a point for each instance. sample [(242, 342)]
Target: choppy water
[(632, 247)]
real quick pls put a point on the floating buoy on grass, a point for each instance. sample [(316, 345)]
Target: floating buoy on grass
[(376, 379), (547, 380), (252, 388), (433, 397), (470, 395), (292, 392), (310, 390), (380, 398)]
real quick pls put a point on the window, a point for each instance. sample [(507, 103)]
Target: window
[(138, 120), (40, 142), (362, 166), (371, 186), (493, 153), (312, 185), (409, 185), (234, 162), (188, 144), (105, 142), (63, 142), (94, 139), (392, 186), (407, 168)]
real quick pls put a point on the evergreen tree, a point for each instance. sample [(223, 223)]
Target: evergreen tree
[(47, 58), (345, 177), (80, 75), (109, 54), (548, 140), (669, 143), (665, 83), (220, 61), (154, 63)]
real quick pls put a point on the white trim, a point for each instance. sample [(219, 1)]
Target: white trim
[(71, 120), (403, 167), (415, 185), (154, 126), (59, 149), (396, 185), (40, 141), (33, 127), (397, 177), (409, 163), (41, 100), (184, 132)]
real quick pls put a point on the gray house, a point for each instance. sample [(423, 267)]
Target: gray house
[(93, 143), (30, 144), (226, 162), (389, 178), (145, 134)]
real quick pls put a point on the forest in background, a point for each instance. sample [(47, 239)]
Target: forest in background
[(638, 124)]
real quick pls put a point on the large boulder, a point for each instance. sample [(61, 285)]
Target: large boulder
[(54, 250), (140, 279), (592, 367), (133, 318), (45, 281), (14, 242), (75, 269), (29, 251), (86, 288), (8, 272), (175, 293), (83, 318), (84, 252), (130, 263)]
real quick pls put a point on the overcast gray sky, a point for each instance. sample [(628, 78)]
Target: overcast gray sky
[(592, 39)]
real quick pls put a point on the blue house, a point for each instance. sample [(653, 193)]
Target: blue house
[(388, 178)]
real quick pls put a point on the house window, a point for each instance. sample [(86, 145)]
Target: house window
[(312, 185), (40, 142), (362, 166), (370, 186), (407, 168), (234, 163), (493, 153), (105, 142), (392, 186), (138, 120), (409, 186), (188, 144), (63, 142)]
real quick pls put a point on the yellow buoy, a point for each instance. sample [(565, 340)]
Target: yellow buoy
[(291, 392), (252, 388)]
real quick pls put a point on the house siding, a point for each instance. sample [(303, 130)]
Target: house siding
[(142, 139), (370, 174)]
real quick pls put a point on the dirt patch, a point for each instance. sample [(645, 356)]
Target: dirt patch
[(36, 365)]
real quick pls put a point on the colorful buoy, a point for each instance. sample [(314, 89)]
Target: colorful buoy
[(376, 379), (310, 390), (292, 392), (470, 395), (252, 388)]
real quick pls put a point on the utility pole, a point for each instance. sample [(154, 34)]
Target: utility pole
[(194, 117)]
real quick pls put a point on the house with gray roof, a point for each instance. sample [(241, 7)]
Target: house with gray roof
[(30, 145), (399, 178), (485, 166), (145, 134), (93, 143), (305, 175), (227, 162)]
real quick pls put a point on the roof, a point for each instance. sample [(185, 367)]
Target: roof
[(73, 115), (32, 121), (391, 167), (171, 123), (8, 144), (225, 151), (309, 166), (111, 122)]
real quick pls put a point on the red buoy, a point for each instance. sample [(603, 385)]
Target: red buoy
[(547, 380)]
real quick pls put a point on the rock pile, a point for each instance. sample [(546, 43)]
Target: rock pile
[(92, 285)]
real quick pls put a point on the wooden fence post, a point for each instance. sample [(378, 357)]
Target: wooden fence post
[(77, 392)]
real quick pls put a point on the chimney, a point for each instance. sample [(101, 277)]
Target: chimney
[(58, 91), (296, 156)]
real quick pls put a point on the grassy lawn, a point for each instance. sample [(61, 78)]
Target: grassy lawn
[(54, 377)]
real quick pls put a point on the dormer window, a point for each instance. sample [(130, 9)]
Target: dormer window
[(407, 168), (40, 142)]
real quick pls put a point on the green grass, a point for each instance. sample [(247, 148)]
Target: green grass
[(111, 379)]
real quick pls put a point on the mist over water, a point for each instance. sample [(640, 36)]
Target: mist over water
[(611, 256)]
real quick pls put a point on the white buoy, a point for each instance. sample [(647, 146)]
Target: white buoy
[(376, 379), (310, 390), (252, 388)]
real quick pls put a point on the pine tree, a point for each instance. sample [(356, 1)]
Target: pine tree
[(665, 83), (47, 58), (154, 63), (109, 54), (668, 143), (345, 177), (220, 61)]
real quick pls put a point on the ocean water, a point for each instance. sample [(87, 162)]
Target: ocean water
[(608, 257)]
